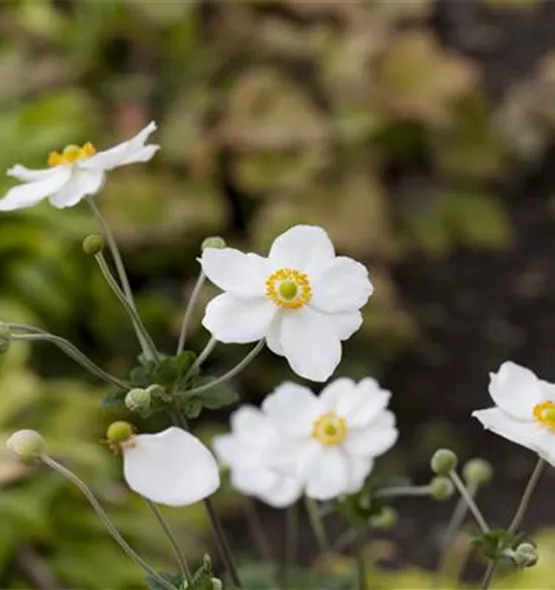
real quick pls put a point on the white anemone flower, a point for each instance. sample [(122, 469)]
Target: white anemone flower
[(524, 410), (243, 452), (303, 299), (172, 467), (330, 441), (74, 173)]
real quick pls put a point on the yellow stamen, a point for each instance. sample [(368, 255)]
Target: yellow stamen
[(329, 429), (289, 288), (71, 153), (544, 413)]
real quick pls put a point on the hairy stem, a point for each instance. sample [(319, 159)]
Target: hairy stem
[(189, 312), (73, 352), (107, 521), (227, 376), (145, 340), (463, 491)]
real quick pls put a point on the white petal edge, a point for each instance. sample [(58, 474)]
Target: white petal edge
[(81, 184), (516, 390), (292, 409), (328, 475), (30, 193), (171, 467), (522, 433), (26, 174), (343, 285), (310, 344), (232, 319), (233, 271), (303, 247)]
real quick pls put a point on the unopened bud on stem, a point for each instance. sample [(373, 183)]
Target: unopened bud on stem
[(93, 244), (525, 555), (443, 462), (27, 445), (441, 488), (138, 400), (213, 242), (119, 432), (477, 472)]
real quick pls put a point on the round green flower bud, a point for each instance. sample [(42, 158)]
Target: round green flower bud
[(93, 244), (119, 432), (386, 519), (525, 555), (28, 445), (5, 338), (138, 400), (214, 242), (443, 462), (441, 488), (216, 584), (207, 562), (478, 472)]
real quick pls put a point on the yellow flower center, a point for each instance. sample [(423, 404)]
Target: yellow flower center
[(71, 153), (329, 429), (289, 288), (544, 413)]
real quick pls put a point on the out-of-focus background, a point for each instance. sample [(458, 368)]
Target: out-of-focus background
[(419, 133)]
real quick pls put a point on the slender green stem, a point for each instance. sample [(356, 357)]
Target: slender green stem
[(227, 376), (144, 337), (527, 495), (463, 491), (457, 518), (257, 530), (291, 536), (189, 311), (359, 557), (183, 566), (517, 518), (318, 526), (114, 250), (108, 523), (224, 548), (204, 354), (402, 491), (73, 352), (488, 576)]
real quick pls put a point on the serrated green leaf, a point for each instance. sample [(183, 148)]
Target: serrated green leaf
[(114, 399)]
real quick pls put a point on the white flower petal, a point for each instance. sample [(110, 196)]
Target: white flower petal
[(274, 334), (235, 453), (516, 390), (346, 323), (328, 474), (370, 442), (254, 482), (292, 409), (117, 156), (358, 403), (29, 194), (284, 493), (231, 319), (304, 247), (523, 433), (172, 467), (81, 184), (251, 425), (342, 285), (231, 270), (310, 344), (359, 469), (142, 155), (26, 174)]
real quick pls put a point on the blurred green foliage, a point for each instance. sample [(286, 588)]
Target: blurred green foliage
[(271, 113)]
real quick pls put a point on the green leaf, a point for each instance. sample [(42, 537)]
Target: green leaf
[(114, 399), (174, 579), (192, 407), (492, 543)]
